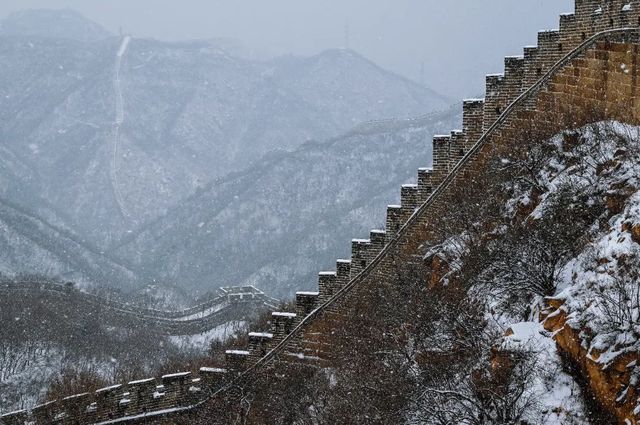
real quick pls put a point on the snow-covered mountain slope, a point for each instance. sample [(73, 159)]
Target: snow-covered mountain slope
[(375, 93), (117, 131), (526, 305), (37, 238), (288, 217), (63, 23), (31, 244), (565, 254), (595, 309)]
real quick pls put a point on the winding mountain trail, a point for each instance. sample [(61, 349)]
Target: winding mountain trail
[(119, 119)]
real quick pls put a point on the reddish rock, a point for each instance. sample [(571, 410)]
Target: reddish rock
[(635, 233), (605, 381)]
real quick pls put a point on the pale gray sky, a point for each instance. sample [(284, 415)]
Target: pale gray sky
[(458, 40)]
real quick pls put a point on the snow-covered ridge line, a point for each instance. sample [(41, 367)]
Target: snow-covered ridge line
[(393, 124)]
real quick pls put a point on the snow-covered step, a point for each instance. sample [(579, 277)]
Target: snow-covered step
[(306, 302), (440, 157), (106, 399), (394, 221), (140, 393), (494, 104), (282, 323), (343, 273), (550, 50), (378, 239), (212, 377), (176, 386), (513, 78), (236, 360), (532, 70), (359, 255), (425, 184), (472, 121), (456, 148), (327, 285), (409, 199), (76, 405), (259, 344)]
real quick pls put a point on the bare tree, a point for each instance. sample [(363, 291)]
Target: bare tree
[(497, 391)]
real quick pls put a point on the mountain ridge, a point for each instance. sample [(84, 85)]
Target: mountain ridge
[(57, 23), (104, 136), (246, 210)]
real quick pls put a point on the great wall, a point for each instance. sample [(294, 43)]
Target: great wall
[(584, 72), (233, 303)]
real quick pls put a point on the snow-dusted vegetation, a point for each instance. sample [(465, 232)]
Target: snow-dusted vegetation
[(470, 334), (566, 236)]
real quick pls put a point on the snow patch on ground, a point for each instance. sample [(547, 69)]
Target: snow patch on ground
[(559, 398)]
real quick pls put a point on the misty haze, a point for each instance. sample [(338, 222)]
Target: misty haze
[(340, 212)]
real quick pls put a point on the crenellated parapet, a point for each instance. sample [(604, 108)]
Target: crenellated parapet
[(494, 103), (259, 344), (472, 121), (360, 255), (441, 144), (527, 87), (513, 78), (582, 67), (135, 400), (456, 148)]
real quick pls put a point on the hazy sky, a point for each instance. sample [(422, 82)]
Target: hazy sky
[(457, 40)]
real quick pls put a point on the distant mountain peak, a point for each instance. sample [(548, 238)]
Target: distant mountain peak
[(58, 23), (347, 70), (339, 54)]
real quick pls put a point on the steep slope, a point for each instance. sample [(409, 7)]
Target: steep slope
[(118, 131), (30, 244), (453, 335), (594, 311), (287, 214), (37, 238)]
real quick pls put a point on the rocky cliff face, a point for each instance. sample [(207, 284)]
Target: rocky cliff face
[(595, 311)]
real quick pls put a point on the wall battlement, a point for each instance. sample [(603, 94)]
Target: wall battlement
[(575, 69), (232, 303), (143, 398)]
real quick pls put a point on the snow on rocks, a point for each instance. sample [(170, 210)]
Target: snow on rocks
[(558, 396)]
